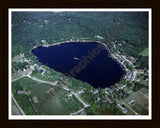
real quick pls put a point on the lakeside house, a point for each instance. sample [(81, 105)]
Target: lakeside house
[(99, 37), (81, 91), (122, 86)]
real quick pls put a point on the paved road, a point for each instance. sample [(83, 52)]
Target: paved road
[(52, 83), (78, 111), (85, 104), (130, 108), (18, 78), (128, 61)]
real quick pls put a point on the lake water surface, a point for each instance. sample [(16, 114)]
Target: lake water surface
[(88, 62)]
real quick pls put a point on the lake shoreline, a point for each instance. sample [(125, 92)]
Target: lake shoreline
[(97, 42), (64, 42)]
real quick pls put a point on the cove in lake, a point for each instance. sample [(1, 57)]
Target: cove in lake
[(89, 62)]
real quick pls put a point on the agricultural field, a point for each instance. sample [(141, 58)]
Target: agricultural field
[(15, 110), (137, 103), (43, 99)]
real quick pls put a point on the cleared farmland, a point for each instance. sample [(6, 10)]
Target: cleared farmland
[(42, 99), (137, 102), (15, 110)]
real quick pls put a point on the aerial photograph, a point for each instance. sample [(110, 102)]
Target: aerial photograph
[(79, 63)]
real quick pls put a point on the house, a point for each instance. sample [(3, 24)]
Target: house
[(69, 96), (48, 72), (19, 92), (125, 110), (122, 86), (129, 91), (106, 91), (96, 92), (81, 91), (99, 37)]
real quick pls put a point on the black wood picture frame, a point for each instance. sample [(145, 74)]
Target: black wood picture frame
[(6, 4)]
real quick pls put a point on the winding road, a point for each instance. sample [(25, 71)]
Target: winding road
[(66, 88), (54, 84)]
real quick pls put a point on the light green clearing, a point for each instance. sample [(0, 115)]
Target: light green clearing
[(17, 58), (145, 52)]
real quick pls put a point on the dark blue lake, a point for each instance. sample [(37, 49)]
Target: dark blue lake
[(88, 62)]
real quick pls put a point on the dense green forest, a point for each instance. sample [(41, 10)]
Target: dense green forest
[(130, 29)]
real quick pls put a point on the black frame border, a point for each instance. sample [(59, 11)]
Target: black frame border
[(6, 4)]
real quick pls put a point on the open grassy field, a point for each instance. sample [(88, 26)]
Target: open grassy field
[(46, 101), (17, 58), (44, 98)]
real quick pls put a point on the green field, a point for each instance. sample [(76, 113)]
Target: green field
[(45, 99), (48, 103), (139, 109)]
